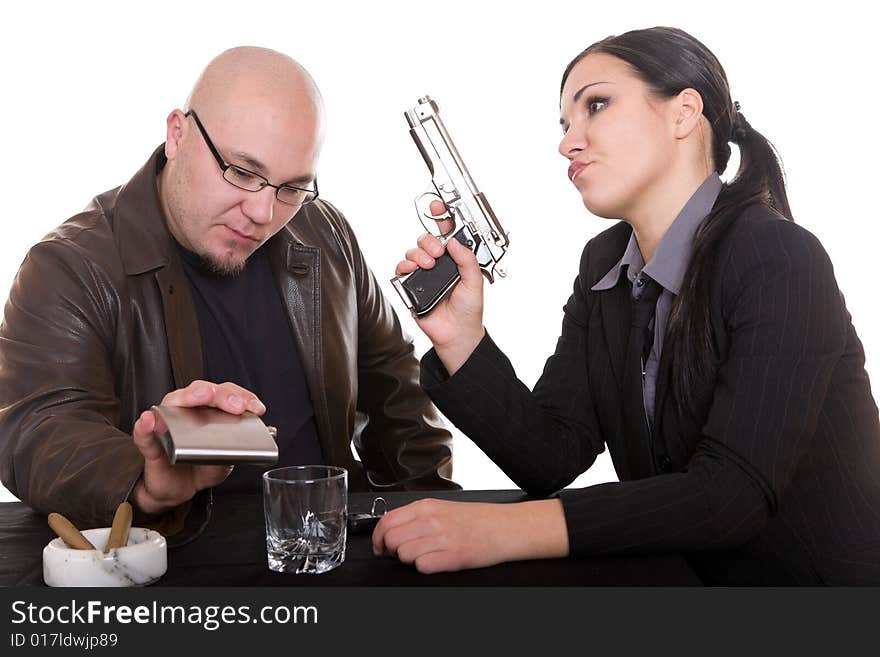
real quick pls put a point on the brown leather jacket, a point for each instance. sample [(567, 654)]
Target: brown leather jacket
[(100, 325)]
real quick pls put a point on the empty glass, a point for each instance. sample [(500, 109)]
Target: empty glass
[(305, 508)]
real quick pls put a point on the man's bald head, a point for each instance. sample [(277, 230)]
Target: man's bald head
[(264, 115), (250, 74)]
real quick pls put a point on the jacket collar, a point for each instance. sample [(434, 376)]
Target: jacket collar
[(142, 235)]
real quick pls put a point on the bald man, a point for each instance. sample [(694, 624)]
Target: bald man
[(214, 277)]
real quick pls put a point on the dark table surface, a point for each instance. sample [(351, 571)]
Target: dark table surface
[(232, 552)]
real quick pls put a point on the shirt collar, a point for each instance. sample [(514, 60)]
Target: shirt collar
[(632, 260), (673, 254)]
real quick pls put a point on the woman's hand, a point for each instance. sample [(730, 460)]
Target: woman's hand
[(438, 535), (455, 325)]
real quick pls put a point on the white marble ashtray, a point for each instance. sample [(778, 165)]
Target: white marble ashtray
[(141, 561)]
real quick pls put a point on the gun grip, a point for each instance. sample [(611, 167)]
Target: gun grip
[(426, 287)]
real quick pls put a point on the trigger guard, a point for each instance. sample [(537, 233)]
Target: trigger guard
[(434, 219)]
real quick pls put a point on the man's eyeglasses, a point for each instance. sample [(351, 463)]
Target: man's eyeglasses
[(254, 182)]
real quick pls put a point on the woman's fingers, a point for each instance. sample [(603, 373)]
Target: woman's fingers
[(410, 521), (405, 267), (445, 225), (391, 520), (431, 245), (408, 541), (417, 548), (420, 257), (420, 533), (466, 261)]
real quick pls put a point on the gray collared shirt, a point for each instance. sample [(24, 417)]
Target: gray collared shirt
[(667, 267)]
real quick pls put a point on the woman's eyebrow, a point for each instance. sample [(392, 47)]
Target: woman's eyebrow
[(580, 92)]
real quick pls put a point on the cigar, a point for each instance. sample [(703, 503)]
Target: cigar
[(68, 533), (119, 530)]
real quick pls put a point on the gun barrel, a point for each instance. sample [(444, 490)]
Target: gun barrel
[(424, 120)]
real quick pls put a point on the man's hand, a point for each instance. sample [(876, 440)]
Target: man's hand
[(164, 486)]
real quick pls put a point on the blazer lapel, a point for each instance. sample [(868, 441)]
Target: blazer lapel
[(660, 395), (615, 307)]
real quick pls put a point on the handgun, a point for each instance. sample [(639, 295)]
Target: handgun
[(473, 222)]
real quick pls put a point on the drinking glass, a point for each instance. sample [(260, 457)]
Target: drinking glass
[(305, 508)]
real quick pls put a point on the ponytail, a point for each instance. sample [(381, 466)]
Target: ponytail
[(759, 179)]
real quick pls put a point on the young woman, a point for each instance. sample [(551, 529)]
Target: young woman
[(705, 343)]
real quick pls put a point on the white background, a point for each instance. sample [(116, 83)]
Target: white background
[(87, 87)]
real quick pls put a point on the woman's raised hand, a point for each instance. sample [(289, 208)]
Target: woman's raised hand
[(455, 325)]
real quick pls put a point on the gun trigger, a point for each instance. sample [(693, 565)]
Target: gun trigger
[(426, 213), (432, 222)]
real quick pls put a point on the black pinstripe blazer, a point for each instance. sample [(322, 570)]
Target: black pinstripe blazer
[(775, 481)]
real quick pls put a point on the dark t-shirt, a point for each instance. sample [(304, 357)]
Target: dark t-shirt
[(247, 339)]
